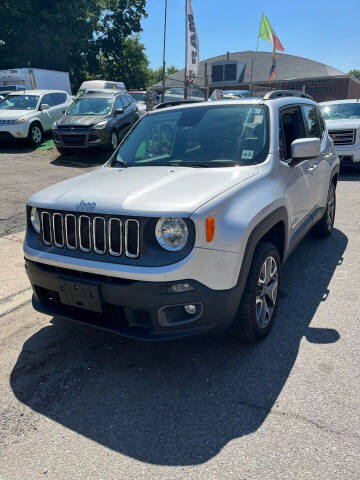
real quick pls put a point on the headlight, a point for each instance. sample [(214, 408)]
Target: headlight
[(171, 233), (100, 124), (35, 219), (20, 120)]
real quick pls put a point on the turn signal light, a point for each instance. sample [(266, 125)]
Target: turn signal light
[(210, 229)]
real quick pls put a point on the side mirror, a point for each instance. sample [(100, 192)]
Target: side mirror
[(44, 106), (118, 111), (304, 148)]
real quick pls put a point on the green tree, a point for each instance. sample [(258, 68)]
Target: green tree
[(155, 76), (356, 73), (73, 36)]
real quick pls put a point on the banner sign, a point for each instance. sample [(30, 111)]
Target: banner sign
[(192, 45)]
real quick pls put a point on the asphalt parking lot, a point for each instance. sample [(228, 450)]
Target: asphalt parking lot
[(78, 403)]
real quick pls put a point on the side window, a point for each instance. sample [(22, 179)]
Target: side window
[(124, 101), (292, 128), (47, 99), (118, 105), (58, 98), (312, 121)]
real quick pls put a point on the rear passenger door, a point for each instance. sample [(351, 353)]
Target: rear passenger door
[(301, 187), (319, 166)]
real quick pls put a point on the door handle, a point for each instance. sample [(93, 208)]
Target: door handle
[(311, 169)]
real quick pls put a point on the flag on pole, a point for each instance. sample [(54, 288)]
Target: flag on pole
[(192, 45), (267, 33), (272, 75)]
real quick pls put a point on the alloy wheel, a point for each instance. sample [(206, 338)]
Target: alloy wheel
[(36, 134), (267, 291), (114, 140), (331, 208)]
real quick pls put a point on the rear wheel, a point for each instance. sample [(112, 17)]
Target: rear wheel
[(258, 307), (35, 135), (325, 226)]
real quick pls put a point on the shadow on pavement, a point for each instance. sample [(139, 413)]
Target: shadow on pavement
[(178, 403)]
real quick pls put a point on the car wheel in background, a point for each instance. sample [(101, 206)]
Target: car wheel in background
[(325, 226), (113, 141), (35, 135), (257, 310)]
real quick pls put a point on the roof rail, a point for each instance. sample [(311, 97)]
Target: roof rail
[(174, 103), (285, 93)]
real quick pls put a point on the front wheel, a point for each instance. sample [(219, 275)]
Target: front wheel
[(35, 136), (325, 226), (113, 141), (259, 303)]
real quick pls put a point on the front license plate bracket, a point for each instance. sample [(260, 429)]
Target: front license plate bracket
[(80, 295)]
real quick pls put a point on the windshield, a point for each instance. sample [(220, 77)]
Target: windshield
[(139, 97), (19, 102), (235, 94), (208, 136), (338, 111), (90, 106)]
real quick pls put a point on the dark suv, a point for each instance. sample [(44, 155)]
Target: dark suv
[(95, 120)]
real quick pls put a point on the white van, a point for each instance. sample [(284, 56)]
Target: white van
[(100, 85)]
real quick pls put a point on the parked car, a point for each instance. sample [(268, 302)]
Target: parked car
[(100, 84), (185, 229), (34, 79), (140, 98), (178, 93), (95, 120), (343, 121), (29, 114)]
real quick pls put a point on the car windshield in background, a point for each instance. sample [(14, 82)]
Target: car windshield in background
[(337, 111), (207, 136), (90, 106), (19, 102), (235, 94), (139, 97)]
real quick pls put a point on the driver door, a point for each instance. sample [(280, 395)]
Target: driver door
[(46, 115), (299, 179)]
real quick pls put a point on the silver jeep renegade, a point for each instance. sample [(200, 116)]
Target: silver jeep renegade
[(185, 229)]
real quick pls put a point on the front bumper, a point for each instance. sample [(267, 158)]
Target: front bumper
[(348, 154), (81, 138), (10, 132), (135, 309)]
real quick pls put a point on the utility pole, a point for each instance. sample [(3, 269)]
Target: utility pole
[(164, 51)]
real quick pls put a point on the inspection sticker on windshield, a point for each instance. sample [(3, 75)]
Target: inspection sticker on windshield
[(247, 154), (258, 118)]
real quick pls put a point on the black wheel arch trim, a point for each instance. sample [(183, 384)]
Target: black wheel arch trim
[(277, 216)]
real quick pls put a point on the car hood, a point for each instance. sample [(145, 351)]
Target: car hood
[(142, 191), (82, 120), (14, 114), (344, 124)]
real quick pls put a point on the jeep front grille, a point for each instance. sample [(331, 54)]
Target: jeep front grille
[(91, 233), (343, 137)]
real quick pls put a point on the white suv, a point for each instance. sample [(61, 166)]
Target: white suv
[(185, 229), (30, 113), (342, 118)]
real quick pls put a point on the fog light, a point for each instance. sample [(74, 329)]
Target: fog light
[(180, 288), (190, 309)]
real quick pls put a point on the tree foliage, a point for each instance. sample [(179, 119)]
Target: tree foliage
[(155, 76), (356, 73), (88, 38)]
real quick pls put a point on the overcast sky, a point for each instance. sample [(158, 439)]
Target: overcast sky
[(325, 31)]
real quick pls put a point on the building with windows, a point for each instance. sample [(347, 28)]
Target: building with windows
[(247, 70)]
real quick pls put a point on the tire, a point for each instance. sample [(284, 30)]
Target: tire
[(36, 134), (258, 307), (112, 144), (324, 227)]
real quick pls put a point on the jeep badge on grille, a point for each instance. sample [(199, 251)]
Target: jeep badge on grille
[(82, 205)]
